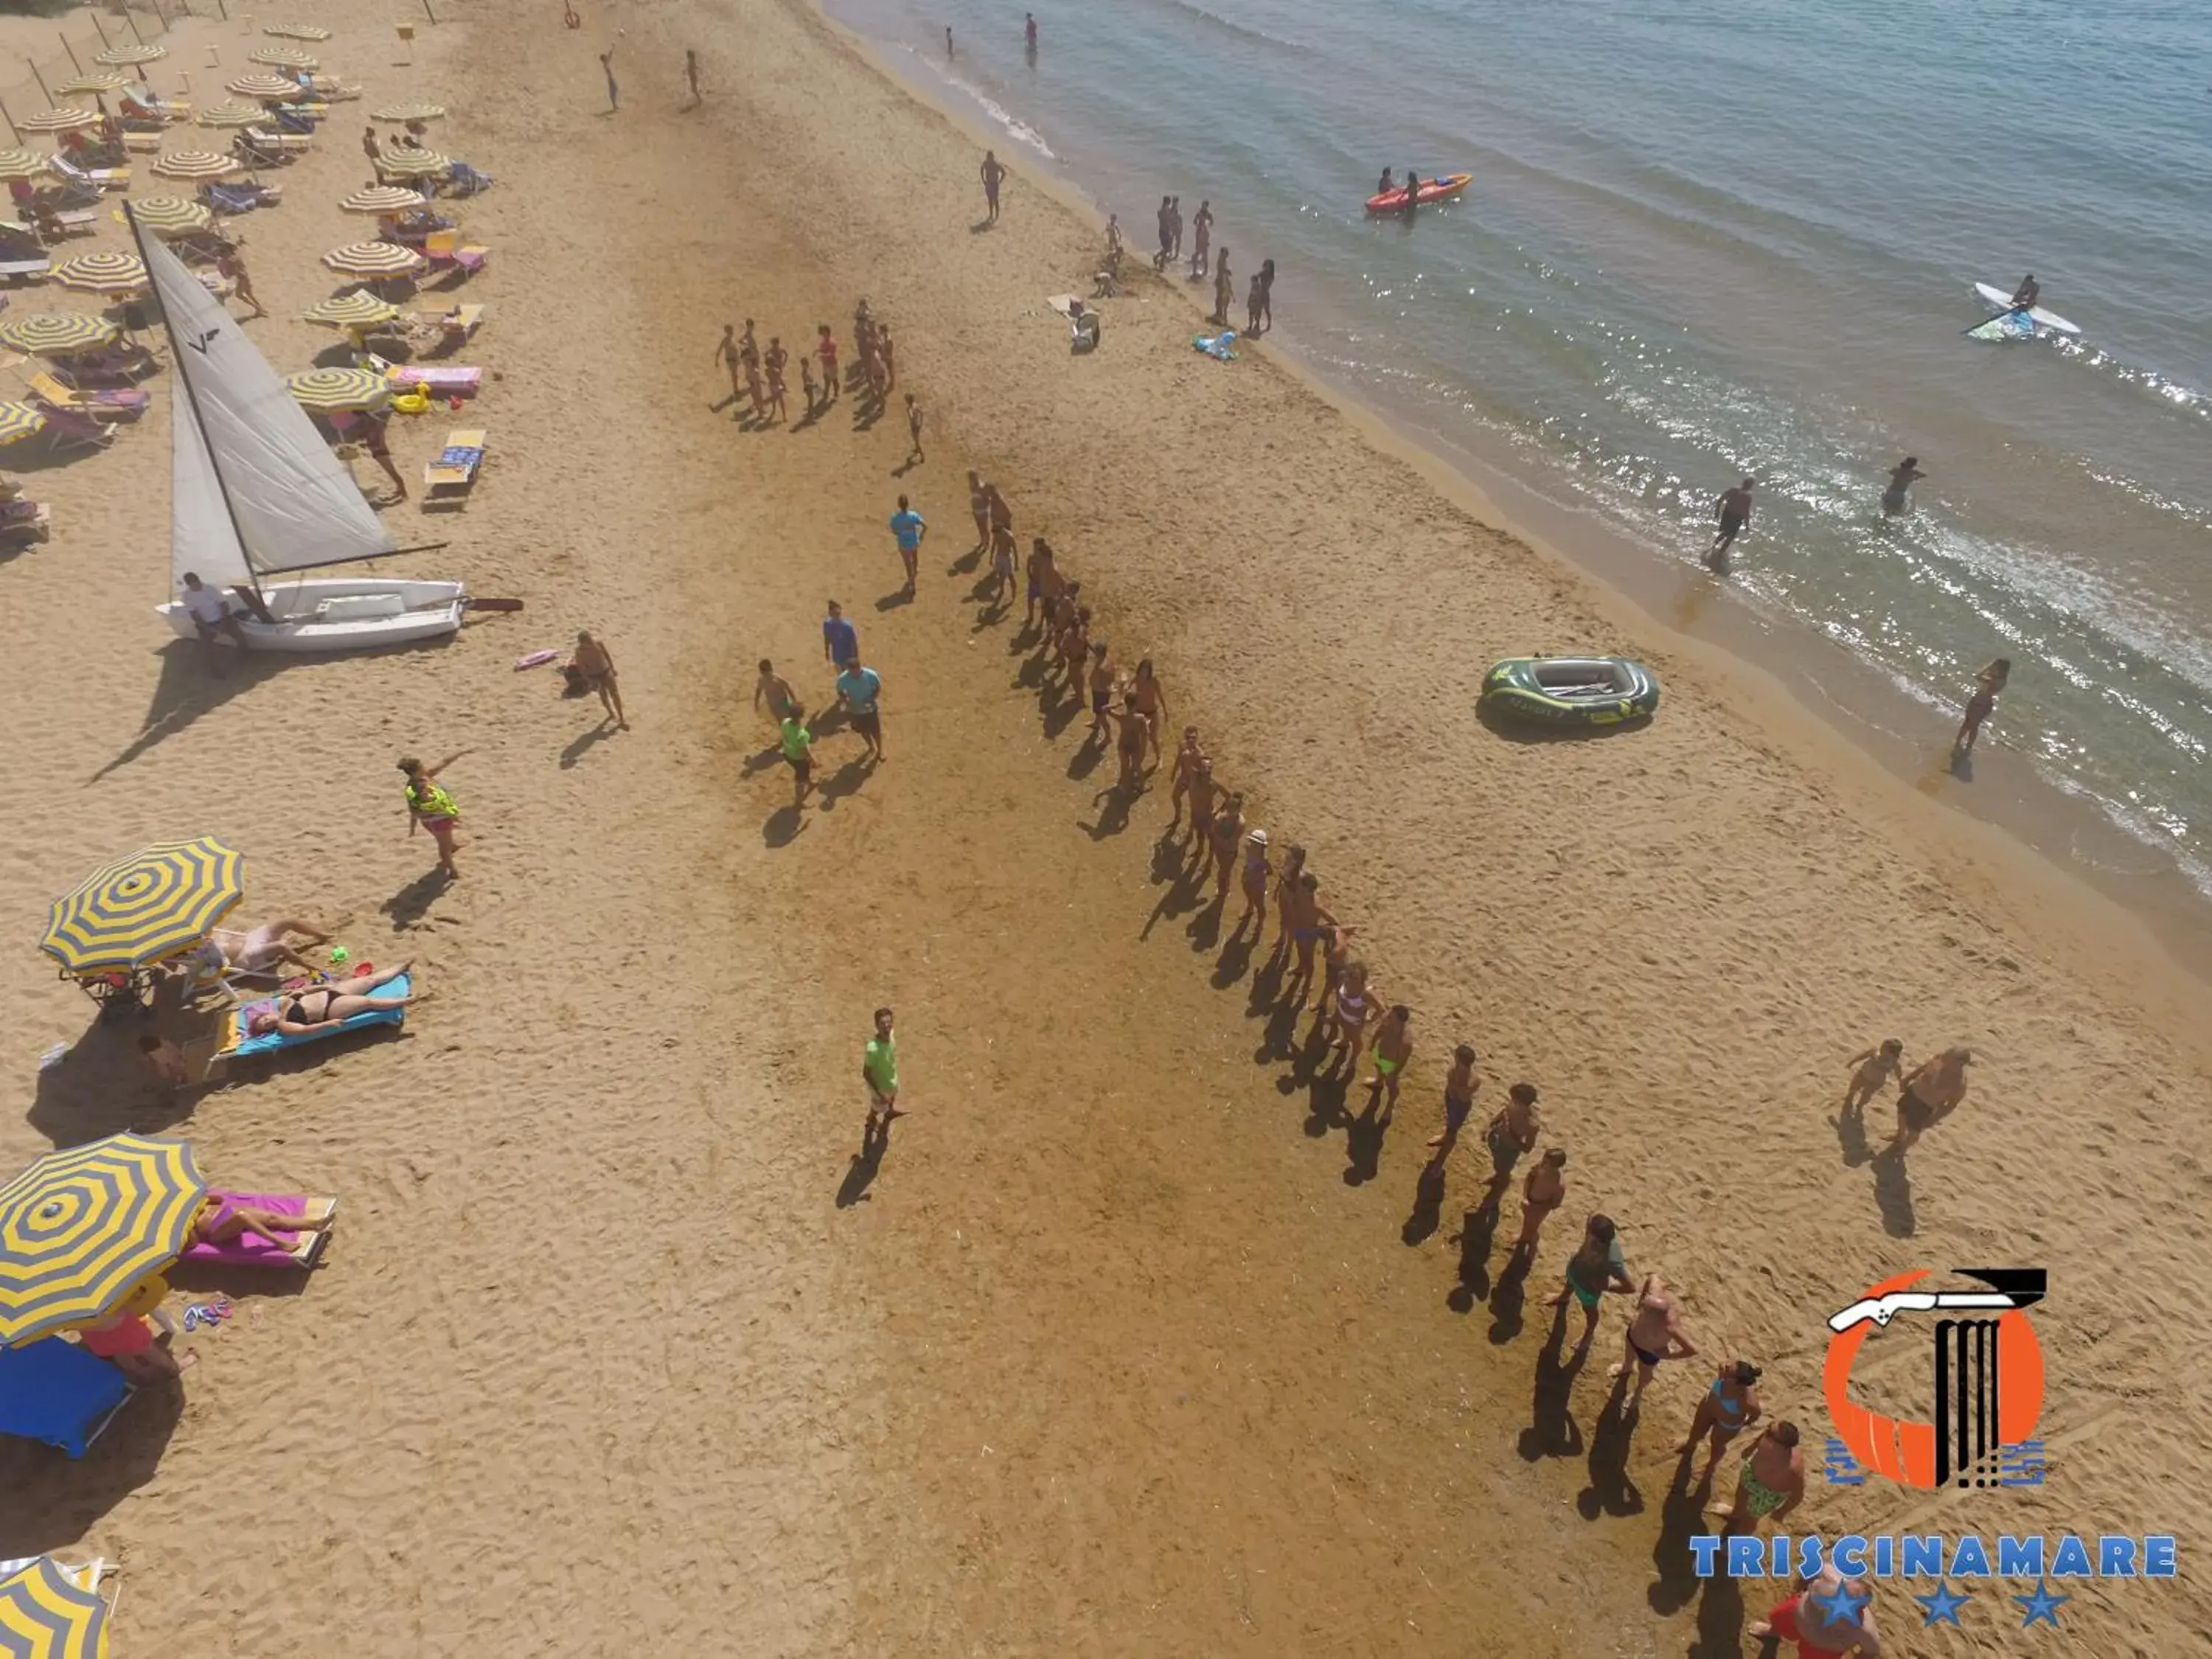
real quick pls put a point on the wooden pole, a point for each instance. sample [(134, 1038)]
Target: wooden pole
[(71, 50), (101, 29), (133, 22), (11, 120), (428, 13), (52, 101)]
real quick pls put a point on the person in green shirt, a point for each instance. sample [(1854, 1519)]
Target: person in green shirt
[(880, 1070), (798, 748)]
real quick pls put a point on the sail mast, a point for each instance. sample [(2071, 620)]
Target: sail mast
[(192, 402)]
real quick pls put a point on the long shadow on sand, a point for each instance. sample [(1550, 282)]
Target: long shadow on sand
[(1552, 1430), (185, 689), (1893, 1195), (1612, 1489), (1682, 1518), (866, 1164)]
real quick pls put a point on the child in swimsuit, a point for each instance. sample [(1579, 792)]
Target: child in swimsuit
[(1542, 1192), (1876, 1066), (1393, 1047)]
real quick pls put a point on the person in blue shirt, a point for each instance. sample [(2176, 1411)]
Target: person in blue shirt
[(860, 690), (841, 641), (907, 526)]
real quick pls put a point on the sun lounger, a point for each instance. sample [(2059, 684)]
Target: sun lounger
[(443, 330), (240, 197), (25, 522), (445, 252), (240, 1043), (251, 1250), (24, 270), (115, 364), (66, 430), (53, 1391), (98, 178), (156, 106), (462, 179), (289, 144), (115, 403), (450, 477)]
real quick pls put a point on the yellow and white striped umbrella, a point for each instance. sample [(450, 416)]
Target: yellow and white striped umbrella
[(161, 899), (170, 216), (82, 1227), (409, 112), (67, 118), (23, 164), (195, 164), (359, 309), (285, 57), (48, 1611), (383, 199), (266, 86), (19, 421), (329, 390), (413, 163), (55, 333), (99, 81), (232, 114), (296, 31), (375, 259), (130, 55), (103, 273)]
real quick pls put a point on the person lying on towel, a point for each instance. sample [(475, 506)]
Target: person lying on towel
[(224, 1220), (321, 1009)]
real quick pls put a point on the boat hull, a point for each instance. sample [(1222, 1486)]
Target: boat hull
[(342, 614)]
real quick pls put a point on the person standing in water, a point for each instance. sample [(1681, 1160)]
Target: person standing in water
[(1224, 289), (1029, 32), (1412, 193), (948, 40), (1201, 236), (692, 73), (1734, 513), (1902, 478), (1263, 298), (1980, 707)]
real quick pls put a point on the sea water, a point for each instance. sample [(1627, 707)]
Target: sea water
[(1706, 240)]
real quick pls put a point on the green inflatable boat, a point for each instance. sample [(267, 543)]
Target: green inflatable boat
[(1572, 690)]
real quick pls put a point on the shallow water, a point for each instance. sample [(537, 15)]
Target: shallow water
[(1707, 241)]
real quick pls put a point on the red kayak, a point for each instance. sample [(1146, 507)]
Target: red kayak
[(1432, 190)]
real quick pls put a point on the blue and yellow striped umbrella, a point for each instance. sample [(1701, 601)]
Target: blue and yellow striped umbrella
[(161, 899), (47, 1613), (80, 1228), (21, 421)]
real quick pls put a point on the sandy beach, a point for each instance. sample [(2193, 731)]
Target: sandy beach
[(1136, 1339)]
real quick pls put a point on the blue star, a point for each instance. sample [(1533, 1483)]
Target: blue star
[(2042, 1607), (1940, 1607), (1841, 1605)]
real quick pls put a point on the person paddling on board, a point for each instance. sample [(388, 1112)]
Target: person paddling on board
[(2029, 291)]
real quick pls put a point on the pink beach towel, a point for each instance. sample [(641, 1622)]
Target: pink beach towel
[(251, 1250)]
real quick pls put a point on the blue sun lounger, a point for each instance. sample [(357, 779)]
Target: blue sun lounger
[(242, 1043), (53, 1391)]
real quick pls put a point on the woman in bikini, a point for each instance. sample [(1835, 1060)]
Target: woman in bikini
[(1355, 1007), (1771, 1480), (1227, 835), (221, 1220), (1729, 1406), (1543, 1192), (1302, 909), (1144, 692), (1186, 767), (320, 1008), (1655, 1335)]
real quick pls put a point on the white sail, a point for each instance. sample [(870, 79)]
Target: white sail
[(255, 487)]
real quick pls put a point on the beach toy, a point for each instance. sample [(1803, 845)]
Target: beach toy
[(340, 956), (1219, 347), (535, 658)]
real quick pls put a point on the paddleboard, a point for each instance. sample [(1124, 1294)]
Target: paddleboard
[(1432, 190), (2002, 299)]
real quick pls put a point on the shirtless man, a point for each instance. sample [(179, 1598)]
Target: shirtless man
[(1734, 513), (1286, 881), (1301, 909), (993, 170), (772, 694), (1187, 760), (1654, 1333), (1131, 747), (1103, 674), (1202, 788), (592, 662), (1224, 289), (1201, 237), (1931, 1094), (1151, 703), (726, 353), (979, 509), (1511, 1134), (1830, 1614), (1771, 1483), (825, 349), (1543, 1192), (1459, 1085), (1335, 943), (890, 363), (1044, 580), (1228, 837), (1002, 566), (807, 385), (1873, 1069), (1393, 1047), (775, 363), (1729, 1406), (1167, 237)]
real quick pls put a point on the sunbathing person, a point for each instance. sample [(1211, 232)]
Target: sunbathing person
[(321, 1009), (260, 949), (224, 1220)]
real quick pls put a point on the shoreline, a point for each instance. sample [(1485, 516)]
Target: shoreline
[(1833, 698)]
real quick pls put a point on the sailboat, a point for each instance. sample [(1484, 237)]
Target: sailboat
[(257, 496)]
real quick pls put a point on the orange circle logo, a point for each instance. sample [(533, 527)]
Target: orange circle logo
[(1907, 1453)]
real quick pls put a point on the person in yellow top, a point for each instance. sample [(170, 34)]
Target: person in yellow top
[(430, 805)]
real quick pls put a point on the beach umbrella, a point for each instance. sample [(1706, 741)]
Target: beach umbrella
[(99, 81), (19, 421), (383, 199), (413, 163), (66, 118), (130, 55), (170, 216), (23, 164), (103, 273), (328, 390), (359, 309), (375, 259), (296, 31), (81, 1227), (195, 164), (55, 333), (161, 899), (409, 112), (233, 115), (264, 86), (46, 1611), (285, 57)]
